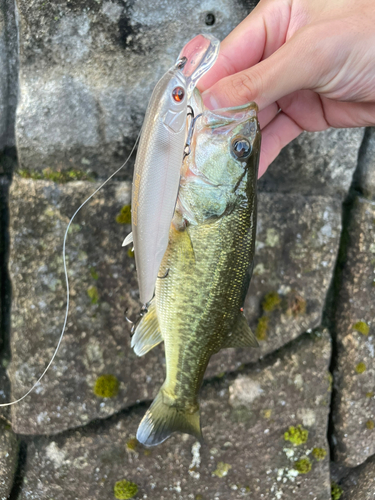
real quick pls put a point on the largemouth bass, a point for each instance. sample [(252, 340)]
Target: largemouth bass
[(205, 272)]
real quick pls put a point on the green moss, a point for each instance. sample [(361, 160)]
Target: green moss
[(58, 176), (296, 435), (130, 253), (336, 491), (106, 386), (370, 424), (124, 490), (132, 444), (361, 327), (124, 217), (361, 367), (330, 381), (29, 174), (93, 293), (319, 453), (93, 273), (303, 466), (221, 375), (262, 328), (222, 469), (271, 301)]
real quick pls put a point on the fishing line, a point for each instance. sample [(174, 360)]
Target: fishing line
[(67, 279)]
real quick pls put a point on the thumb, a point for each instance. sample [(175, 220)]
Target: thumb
[(294, 66)]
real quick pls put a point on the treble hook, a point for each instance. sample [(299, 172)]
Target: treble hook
[(143, 311), (165, 275), (187, 149)]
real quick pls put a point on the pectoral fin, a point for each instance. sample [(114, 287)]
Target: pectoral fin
[(241, 335), (128, 240), (147, 334)]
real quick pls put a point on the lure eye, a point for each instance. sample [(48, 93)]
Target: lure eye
[(178, 94), (241, 148)]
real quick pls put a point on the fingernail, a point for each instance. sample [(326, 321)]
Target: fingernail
[(210, 101)]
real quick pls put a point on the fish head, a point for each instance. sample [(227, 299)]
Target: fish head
[(225, 143)]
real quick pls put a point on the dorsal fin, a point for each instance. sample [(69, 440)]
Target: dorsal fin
[(241, 335), (147, 334)]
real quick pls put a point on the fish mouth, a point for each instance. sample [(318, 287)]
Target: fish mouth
[(223, 116)]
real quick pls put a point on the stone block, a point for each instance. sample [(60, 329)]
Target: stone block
[(245, 418), (320, 163), (365, 174), (87, 70), (354, 401), (9, 447), (296, 251), (359, 484)]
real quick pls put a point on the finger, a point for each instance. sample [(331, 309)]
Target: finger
[(267, 115), (295, 65), (261, 33), (349, 114), (313, 112), (275, 136)]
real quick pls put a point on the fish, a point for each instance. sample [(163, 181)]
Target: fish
[(206, 269), (159, 158)]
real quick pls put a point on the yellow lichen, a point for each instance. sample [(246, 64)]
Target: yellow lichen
[(262, 328), (93, 293), (370, 424), (267, 413), (303, 466), (106, 386), (93, 273), (296, 435), (132, 444), (361, 327), (319, 453), (124, 217), (124, 490), (271, 301), (222, 469), (361, 367)]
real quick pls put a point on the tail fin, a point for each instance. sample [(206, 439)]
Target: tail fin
[(161, 420)]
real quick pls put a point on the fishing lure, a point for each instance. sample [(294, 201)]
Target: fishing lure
[(159, 159)]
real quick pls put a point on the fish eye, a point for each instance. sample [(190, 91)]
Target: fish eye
[(178, 94), (241, 148)]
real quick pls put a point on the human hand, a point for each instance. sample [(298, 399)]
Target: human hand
[(312, 60)]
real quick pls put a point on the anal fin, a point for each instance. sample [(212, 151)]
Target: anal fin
[(147, 334), (241, 335)]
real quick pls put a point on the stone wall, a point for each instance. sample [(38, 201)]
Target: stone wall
[(81, 73)]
